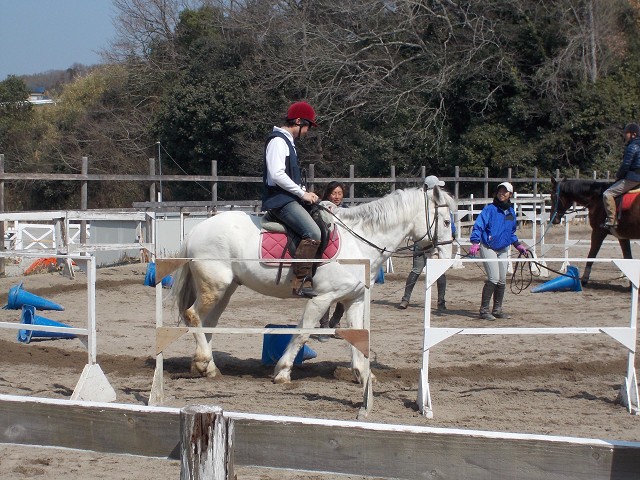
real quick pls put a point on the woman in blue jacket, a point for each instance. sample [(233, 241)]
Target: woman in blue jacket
[(493, 231)]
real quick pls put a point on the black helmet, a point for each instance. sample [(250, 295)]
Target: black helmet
[(632, 128)]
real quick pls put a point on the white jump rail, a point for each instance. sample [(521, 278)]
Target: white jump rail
[(93, 384), (626, 336), (358, 338)]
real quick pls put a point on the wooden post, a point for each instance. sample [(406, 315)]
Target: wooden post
[(486, 182), (152, 187), (535, 181), (311, 174), (206, 444), (83, 201), (214, 185), (423, 173), (352, 192), (456, 185), (2, 232), (393, 178)]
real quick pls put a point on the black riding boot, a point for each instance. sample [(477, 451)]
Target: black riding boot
[(498, 296), (487, 293), (441, 283), (301, 283), (412, 279)]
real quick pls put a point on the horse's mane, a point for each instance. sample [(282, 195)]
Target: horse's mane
[(583, 188), (399, 205)]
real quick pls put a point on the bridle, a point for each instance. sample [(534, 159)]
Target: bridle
[(433, 239)]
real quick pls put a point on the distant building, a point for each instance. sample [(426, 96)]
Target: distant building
[(38, 96)]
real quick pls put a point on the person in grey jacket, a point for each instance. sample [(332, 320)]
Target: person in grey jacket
[(628, 175)]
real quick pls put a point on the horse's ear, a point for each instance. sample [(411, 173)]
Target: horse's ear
[(553, 181)]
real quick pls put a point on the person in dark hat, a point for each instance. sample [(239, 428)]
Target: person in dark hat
[(285, 197), (628, 175)]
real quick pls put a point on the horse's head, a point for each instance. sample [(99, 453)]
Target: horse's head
[(432, 225), (559, 203)]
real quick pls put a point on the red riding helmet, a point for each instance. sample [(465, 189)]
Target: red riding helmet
[(304, 111)]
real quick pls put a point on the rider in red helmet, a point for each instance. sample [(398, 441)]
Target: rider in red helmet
[(628, 175), (285, 197)]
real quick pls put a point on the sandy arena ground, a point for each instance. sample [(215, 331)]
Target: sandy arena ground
[(540, 384)]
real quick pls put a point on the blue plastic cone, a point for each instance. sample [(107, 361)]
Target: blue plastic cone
[(29, 317), (18, 297), (274, 345), (568, 283), (150, 277)]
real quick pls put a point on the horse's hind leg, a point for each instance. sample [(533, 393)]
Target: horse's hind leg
[(210, 304)]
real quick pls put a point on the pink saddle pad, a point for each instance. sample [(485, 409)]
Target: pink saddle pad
[(273, 244)]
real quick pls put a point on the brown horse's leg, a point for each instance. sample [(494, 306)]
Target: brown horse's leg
[(625, 246), (597, 237)]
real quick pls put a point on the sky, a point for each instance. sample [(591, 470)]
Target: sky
[(41, 35)]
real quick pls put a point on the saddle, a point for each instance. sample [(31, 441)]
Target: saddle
[(278, 242), (625, 201)]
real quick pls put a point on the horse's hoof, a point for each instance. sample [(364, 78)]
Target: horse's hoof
[(359, 377), (282, 377), (205, 369)]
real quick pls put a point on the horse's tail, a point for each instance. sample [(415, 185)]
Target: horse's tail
[(183, 291)]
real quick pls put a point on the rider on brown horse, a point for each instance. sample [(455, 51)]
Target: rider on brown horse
[(628, 175)]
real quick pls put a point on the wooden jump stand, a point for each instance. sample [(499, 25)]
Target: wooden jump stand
[(623, 335), (165, 336)]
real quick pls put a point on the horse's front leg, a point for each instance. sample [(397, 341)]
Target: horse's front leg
[(354, 314), (314, 309), (202, 361), (597, 237)]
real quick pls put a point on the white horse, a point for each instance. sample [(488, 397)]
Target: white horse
[(370, 231)]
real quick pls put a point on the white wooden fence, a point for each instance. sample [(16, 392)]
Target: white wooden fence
[(314, 445)]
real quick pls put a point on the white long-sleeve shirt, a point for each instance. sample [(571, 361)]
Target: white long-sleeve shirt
[(276, 155)]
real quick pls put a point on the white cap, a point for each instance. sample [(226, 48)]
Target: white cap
[(506, 185), (432, 181)]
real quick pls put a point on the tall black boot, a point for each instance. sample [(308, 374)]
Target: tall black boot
[(441, 283), (412, 279), (487, 293), (498, 296), (301, 283)]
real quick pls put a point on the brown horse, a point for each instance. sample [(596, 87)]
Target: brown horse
[(588, 193)]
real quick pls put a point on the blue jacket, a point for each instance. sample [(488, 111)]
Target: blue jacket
[(630, 168), (495, 227)]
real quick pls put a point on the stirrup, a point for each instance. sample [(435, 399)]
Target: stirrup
[(305, 291)]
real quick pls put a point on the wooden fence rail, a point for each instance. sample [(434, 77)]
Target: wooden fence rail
[(310, 444), (155, 196)]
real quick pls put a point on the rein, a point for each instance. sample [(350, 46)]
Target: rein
[(432, 238)]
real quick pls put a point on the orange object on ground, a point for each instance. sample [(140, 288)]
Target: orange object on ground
[(42, 265)]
